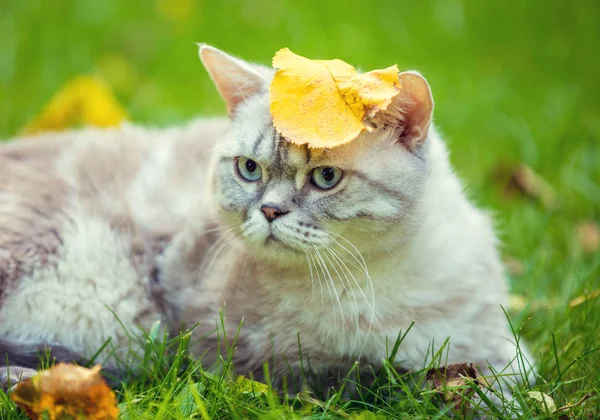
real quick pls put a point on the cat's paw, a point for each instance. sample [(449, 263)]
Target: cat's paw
[(10, 376)]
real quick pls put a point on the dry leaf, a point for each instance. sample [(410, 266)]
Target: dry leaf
[(584, 298), (521, 179), (544, 399), (588, 236), (447, 380), (325, 103), (67, 391), (83, 101), (518, 303)]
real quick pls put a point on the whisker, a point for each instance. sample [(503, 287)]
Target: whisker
[(320, 283), (370, 285), (322, 272), (312, 279), (362, 261), (334, 263), (337, 297), (371, 304)]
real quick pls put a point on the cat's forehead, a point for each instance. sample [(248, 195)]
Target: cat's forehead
[(269, 148), (257, 139)]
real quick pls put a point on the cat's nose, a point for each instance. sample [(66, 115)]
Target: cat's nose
[(272, 212)]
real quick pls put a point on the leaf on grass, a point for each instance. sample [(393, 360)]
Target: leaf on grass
[(248, 386), (545, 401), (325, 103), (588, 236), (518, 303), (583, 298), (85, 100), (67, 391), (448, 380), (523, 180)]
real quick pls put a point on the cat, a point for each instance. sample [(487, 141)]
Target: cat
[(340, 250)]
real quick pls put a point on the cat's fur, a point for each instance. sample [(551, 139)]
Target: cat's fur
[(130, 226)]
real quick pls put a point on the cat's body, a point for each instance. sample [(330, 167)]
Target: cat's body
[(130, 219), (84, 218)]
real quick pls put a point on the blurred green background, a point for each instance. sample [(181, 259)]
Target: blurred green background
[(514, 81)]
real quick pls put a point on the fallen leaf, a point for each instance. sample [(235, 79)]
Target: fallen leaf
[(85, 100), (248, 386), (325, 103), (523, 180), (447, 380), (588, 236), (583, 298), (545, 400), (66, 391), (518, 303)]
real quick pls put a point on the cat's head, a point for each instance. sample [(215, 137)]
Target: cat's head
[(283, 199)]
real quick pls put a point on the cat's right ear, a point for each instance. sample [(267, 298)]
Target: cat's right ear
[(235, 79)]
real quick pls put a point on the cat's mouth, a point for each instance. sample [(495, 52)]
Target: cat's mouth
[(282, 236), (274, 241)]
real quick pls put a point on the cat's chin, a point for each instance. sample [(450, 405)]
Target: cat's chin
[(274, 245), (277, 252)]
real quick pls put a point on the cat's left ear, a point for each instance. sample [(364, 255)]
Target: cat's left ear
[(411, 109), (235, 79)]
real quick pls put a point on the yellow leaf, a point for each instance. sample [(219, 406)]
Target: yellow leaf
[(584, 298), (66, 391), (248, 386), (82, 101), (325, 103)]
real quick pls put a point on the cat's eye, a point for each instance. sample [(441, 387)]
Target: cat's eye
[(248, 169), (326, 177)]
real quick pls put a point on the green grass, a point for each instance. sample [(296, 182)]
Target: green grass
[(514, 81)]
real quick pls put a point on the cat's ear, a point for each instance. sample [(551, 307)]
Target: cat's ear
[(412, 109), (235, 79)]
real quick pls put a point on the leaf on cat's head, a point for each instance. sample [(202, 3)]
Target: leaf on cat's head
[(325, 103), (67, 391)]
